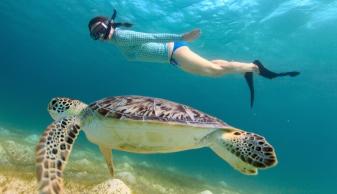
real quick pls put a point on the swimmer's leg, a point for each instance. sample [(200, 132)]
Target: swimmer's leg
[(193, 63), (236, 67)]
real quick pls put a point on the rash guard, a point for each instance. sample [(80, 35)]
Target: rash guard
[(147, 47)]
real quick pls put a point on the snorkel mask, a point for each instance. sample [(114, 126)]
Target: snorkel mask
[(101, 29)]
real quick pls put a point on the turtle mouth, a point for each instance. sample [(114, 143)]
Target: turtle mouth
[(50, 106)]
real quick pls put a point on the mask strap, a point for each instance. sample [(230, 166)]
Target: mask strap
[(115, 25), (123, 24), (106, 35), (110, 25)]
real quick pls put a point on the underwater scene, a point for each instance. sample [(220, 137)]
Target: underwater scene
[(47, 51)]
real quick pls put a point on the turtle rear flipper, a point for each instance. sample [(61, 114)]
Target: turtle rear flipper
[(246, 152), (52, 153)]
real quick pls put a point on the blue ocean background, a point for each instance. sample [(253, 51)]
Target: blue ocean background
[(46, 51)]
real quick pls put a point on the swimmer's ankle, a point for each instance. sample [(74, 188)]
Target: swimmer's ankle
[(246, 67)]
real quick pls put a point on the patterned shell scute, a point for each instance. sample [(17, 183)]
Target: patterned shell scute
[(153, 109)]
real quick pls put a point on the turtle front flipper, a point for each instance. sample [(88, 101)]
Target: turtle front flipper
[(246, 152), (52, 153)]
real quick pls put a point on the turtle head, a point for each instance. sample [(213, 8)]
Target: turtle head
[(246, 152), (61, 107)]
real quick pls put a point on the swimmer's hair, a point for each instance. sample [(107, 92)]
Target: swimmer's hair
[(95, 20)]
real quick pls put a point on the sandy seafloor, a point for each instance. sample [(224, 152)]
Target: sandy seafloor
[(86, 169)]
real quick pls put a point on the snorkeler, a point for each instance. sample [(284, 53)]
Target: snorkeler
[(173, 49)]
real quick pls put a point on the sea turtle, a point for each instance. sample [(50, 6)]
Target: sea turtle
[(142, 125)]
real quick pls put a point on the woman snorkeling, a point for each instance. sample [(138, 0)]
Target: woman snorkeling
[(173, 49)]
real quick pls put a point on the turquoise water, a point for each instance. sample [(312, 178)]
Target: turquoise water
[(46, 51)]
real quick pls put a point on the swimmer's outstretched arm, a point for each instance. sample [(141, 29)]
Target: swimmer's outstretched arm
[(128, 37)]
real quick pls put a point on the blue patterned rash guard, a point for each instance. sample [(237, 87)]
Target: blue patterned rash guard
[(147, 47)]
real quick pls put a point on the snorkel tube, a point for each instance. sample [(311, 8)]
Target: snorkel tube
[(114, 25)]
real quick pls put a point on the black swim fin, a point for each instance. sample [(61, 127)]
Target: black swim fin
[(266, 73), (250, 81)]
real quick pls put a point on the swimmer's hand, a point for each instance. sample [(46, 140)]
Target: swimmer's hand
[(190, 36)]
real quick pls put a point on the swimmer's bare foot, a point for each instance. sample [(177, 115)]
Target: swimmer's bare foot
[(250, 67), (245, 67), (255, 69)]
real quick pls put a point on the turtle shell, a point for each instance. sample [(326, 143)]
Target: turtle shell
[(154, 109)]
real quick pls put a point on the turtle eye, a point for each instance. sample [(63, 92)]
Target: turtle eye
[(53, 102)]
